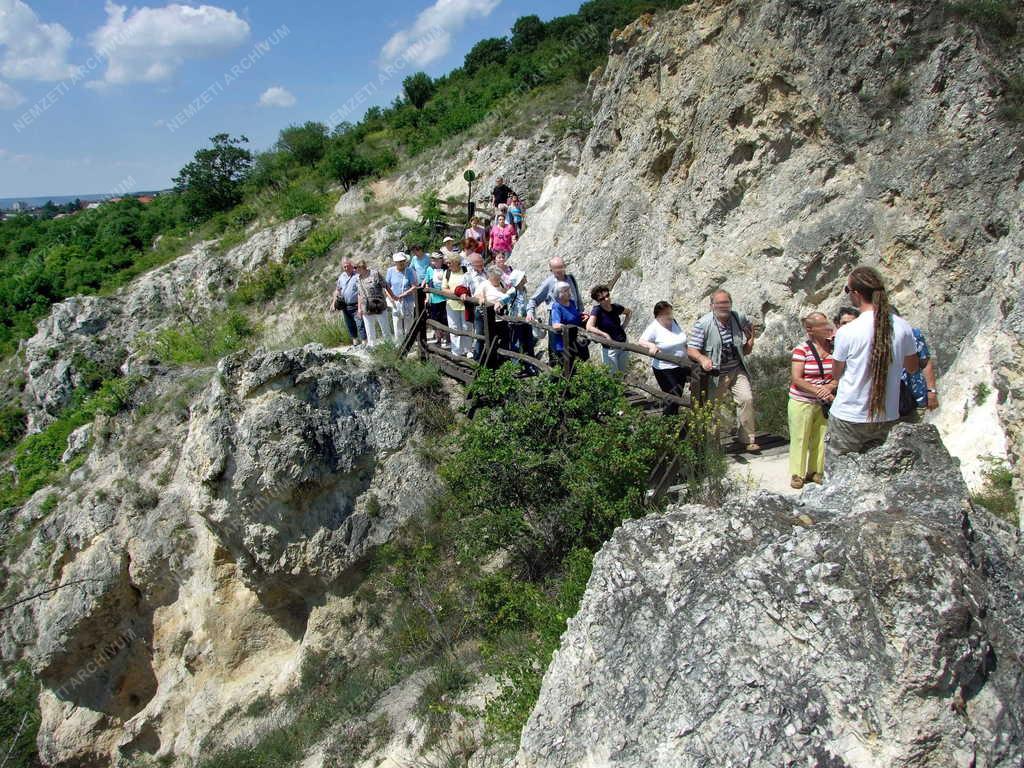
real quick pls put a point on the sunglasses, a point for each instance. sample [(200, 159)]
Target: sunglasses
[(846, 289), (604, 296)]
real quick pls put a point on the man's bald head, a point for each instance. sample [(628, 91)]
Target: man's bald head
[(557, 267)]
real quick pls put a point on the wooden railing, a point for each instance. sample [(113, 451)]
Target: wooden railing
[(493, 354)]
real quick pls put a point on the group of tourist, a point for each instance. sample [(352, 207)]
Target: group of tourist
[(846, 376)]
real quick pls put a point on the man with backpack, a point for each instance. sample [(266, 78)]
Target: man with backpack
[(719, 342), (372, 303), (346, 300)]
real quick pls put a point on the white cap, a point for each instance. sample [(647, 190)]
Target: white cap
[(516, 277), (399, 257)]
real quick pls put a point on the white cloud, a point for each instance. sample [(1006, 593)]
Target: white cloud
[(430, 35), (31, 50), (149, 44), (276, 96), (9, 98)]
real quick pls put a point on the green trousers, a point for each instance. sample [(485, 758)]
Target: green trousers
[(807, 427)]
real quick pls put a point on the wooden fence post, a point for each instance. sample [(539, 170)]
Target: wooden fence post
[(421, 330), (569, 349)]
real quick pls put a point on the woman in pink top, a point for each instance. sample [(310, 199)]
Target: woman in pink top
[(812, 389), (503, 236)]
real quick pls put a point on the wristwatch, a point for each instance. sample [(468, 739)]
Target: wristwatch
[(933, 391)]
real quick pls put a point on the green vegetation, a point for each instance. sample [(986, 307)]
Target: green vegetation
[(37, 457), (12, 425), (204, 340), (770, 378), (42, 262), (997, 495), (1013, 99), (981, 392), (993, 17), (19, 718), (213, 181)]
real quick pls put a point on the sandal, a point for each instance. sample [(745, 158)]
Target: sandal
[(796, 482)]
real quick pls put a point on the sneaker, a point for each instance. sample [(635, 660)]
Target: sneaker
[(796, 482), (815, 478)]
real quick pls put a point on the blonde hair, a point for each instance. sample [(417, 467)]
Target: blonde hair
[(807, 320)]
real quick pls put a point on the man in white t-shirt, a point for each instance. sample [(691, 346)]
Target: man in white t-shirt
[(867, 402)]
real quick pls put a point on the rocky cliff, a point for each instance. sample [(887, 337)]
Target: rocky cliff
[(192, 547), (769, 146), (876, 621)]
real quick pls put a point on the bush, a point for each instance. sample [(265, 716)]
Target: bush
[(995, 17), (203, 341), (996, 495), (12, 425), (300, 199), (19, 719)]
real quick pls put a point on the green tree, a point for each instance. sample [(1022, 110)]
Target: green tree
[(493, 50), (213, 181), (344, 164), (418, 89), (306, 143), (527, 32)]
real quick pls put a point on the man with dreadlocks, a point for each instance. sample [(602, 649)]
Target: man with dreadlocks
[(869, 357)]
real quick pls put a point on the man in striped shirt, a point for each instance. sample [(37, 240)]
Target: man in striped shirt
[(720, 342)]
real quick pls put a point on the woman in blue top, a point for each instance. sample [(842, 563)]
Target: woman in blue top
[(565, 312)]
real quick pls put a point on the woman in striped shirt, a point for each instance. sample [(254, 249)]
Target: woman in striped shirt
[(812, 389)]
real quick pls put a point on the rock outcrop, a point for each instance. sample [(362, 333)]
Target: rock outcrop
[(768, 146), (875, 621), (100, 330), (193, 545)]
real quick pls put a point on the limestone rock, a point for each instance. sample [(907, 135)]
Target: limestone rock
[(283, 453), (768, 147), (889, 632), (78, 441)]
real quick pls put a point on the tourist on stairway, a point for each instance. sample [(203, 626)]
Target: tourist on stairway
[(545, 295), (434, 279), (400, 284), (520, 333), (604, 321), (346, 299), (867, 356), (665, 336), (500, 194), (503, 237), (515, 214), (720, 341), (372, 303), (565, 312), (475, 277), (455, 310), (811, 392)]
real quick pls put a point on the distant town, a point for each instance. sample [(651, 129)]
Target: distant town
[(59, 210)]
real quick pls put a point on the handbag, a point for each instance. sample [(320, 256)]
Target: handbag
[(825, 407)]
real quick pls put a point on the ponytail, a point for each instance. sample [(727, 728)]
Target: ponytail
[(868, 283)]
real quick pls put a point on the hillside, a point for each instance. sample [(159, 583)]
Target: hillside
[(230, 540)]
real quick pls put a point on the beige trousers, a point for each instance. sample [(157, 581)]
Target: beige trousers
[(737, 384)]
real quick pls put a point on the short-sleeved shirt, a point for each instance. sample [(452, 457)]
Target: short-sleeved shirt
[(453, 280), (501, 193), (501, 238), (420, 267), (730, 355), (609, 322), (348, 287), (564, 315), (853, 346), (516, 214), (811, 373), (916, 380), (435, 280), (670, 341), (401, 281)]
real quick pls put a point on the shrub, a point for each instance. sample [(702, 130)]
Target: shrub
[(19, 718), (981, 392), (996, 494), (203, 341), (12, 425), (770, 378), (300, 199), (1013, 98), (995, 17)]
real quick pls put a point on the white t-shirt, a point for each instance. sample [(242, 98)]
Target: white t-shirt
[(853, 346), (668, 341)]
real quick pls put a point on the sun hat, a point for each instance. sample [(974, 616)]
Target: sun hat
[(516, 277), (448, 239), (399, 257)]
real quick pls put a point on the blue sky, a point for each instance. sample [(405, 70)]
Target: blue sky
[(94, 96)]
